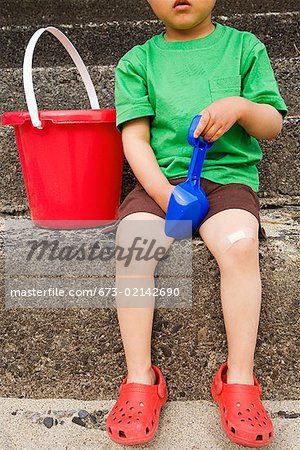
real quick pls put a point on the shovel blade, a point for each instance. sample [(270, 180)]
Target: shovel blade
[(186, 209)]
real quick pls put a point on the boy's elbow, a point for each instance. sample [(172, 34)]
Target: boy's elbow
[(277, 125)]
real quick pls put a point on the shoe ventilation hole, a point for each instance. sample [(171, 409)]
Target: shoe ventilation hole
[(123, 414), (233, 430), (121, 409), (251, 424), (258, 413), (256, 418), (265, 417), (114, 413), (139, 413), (224, 409), (147, 430), (152, 423), (137, 418), (226, 422), (242, 420), (248, 410), (270, 434), (132, 408), (238, 404), (249, 418), (122, 434), (264, 422), (114, 418), (120, 421), (141, 404), (260, 425), (252, 404), (239, 413), (259, 437), (128, 421), (109, 429), (129, 417), (127, 401), (155, 411)]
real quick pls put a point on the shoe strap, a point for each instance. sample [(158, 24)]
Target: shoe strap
[(237, 387), (160, 388)]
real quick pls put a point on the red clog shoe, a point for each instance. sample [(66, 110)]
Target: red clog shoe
[(243, 417), (134, 417)]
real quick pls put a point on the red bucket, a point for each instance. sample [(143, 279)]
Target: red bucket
[(72, 161)]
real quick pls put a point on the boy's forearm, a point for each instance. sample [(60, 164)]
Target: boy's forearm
[(260, 120), (144, 165)]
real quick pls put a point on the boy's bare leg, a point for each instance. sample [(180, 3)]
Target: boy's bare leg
[(135, 313), (240, 286)]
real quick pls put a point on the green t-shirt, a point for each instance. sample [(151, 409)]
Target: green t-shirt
[(174, 81)]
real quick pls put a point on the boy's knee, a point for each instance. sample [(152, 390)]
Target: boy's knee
[(238, 247), (137, 253)]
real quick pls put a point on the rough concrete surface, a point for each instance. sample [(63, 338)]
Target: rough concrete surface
[(278, 170), (50, 357), (104, 43), (78, 352), (62, 87), (28, 12)]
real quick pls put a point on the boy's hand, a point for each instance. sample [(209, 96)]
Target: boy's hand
[(218, 117)]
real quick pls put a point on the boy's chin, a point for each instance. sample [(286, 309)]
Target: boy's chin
[(182, 27), (185, 22)]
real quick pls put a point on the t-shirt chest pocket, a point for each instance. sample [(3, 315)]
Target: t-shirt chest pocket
[(223, 87)]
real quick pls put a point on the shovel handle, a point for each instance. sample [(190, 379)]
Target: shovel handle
[(196, 164), (200, 148)]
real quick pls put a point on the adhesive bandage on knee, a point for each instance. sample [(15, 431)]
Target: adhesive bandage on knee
[(226, 242)]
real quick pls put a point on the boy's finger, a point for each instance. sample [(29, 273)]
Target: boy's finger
[(202, 123), (214, 133)]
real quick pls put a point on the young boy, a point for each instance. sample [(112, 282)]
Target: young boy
[(196, 66)]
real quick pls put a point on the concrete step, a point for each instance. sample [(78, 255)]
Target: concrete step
[(62, 87), (182, 426), (106, 42), (279, 172), (78, 353), (29, 12)]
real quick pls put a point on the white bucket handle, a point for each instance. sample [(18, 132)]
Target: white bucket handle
[(27, 73)]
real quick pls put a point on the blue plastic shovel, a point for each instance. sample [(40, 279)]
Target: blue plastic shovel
[(188, 204)]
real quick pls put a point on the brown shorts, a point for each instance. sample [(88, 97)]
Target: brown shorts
[(220, 197)]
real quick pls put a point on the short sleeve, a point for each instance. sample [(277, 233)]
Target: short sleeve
[(258, 80), (131, 93)]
